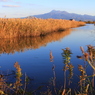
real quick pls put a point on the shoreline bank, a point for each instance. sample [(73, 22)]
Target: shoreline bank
[(10, 28)]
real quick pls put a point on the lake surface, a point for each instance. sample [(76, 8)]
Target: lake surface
[(33, 54)]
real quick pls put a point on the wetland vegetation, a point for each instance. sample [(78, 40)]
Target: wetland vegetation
[(12, 45), (90, 22), (85, 84), (10, 28), (18, 39)]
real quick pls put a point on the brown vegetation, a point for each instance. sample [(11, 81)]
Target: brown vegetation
[(90, 22), (33, 27), (21, 44), (85, 83)]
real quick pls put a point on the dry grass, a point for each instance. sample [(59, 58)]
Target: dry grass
[(21, 44), (34, 27), (85, 83)]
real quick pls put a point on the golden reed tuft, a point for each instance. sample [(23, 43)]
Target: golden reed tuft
[(34, 27)]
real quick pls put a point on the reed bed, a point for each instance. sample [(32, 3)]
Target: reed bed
[(34, 27), (12, 45)]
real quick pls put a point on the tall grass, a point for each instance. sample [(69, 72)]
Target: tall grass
[(34, 27), (86, 83)]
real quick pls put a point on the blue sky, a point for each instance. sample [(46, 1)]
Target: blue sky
[(23, 8)]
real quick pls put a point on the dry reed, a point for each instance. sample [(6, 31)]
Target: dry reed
[(34, 27), (21, 44), (86, 85)]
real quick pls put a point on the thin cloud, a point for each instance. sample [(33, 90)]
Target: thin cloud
[(10, 6), (4, 0)]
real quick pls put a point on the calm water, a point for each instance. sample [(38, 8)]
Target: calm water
[(33, 54)]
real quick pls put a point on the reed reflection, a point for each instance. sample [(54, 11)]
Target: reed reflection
[(21, 44)]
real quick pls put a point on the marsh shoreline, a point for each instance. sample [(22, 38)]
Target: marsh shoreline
[(10, 28)]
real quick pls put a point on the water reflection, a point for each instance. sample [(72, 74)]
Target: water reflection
[(22, 44)]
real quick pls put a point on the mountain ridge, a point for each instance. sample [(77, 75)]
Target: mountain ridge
[(56, 14)]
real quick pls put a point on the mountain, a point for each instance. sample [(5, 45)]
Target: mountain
[(64, 15)]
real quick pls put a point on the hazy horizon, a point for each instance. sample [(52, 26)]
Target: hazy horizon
[(23, 8)]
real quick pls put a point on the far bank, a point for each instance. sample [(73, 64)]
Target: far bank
[(10, 28)]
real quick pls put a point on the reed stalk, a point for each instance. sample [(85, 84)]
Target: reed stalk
[(10, 28)]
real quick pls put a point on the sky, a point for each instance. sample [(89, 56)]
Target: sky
[(24, 8)]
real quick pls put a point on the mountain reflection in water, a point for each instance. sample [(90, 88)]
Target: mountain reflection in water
[(21, 44)]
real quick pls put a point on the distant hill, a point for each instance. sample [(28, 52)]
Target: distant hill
[(64, 15)]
